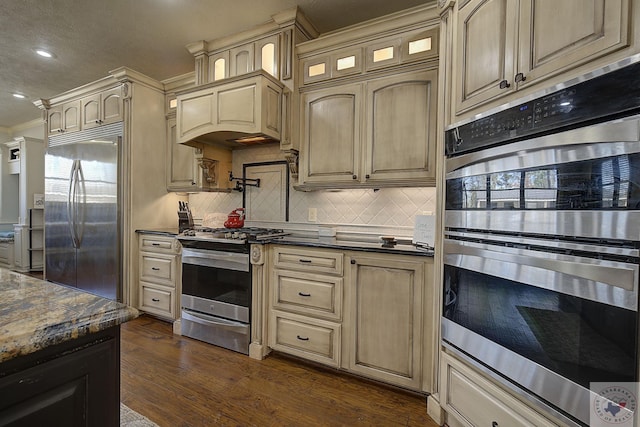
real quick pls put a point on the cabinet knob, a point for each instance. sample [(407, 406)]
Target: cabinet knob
[(355, 177), (353, 261), (494, 424), (367, 176), (520, 78), (504, 84)]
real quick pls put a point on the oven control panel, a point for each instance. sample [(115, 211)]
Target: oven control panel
[(610, 94)]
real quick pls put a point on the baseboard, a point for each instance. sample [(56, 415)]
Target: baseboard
[(434, 410)]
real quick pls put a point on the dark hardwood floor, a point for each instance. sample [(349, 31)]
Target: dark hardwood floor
[(178, 382)]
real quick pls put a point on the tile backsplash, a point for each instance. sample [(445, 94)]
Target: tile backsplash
[(393, 207)]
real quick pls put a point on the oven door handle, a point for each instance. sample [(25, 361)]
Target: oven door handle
[(606, 278), (206, 320), (216, 259)]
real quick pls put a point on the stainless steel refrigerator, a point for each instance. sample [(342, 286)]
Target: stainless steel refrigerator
[(82, 210)]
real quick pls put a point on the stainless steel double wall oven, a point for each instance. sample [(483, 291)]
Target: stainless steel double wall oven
[(542, 239)]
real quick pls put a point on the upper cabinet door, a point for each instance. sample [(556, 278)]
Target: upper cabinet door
[(556, 35), (241, 60), (111, 106), (267, 55), (401, 127), (331, 134), (90, 111), (102, 108), (486, 46)]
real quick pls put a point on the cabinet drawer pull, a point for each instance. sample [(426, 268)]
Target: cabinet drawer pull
[(302, 294), (155, 268), (155, 300), (302, 338), (155, 244), (504, 84), (305, 260)]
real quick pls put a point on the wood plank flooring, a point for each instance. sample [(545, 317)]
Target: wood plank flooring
[(180, 382)]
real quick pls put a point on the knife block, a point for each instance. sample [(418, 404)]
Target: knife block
[(185, 221)]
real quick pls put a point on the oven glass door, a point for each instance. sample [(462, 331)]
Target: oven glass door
[(582, 340), (217, 284)]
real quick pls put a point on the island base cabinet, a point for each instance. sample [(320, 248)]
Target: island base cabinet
[(81, 387), (385, 319), (471, 400)]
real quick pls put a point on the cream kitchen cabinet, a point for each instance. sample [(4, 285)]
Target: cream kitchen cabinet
[(182, 167), (376, 133), (159, 275), (64, 118), (504, 46), (305, 311), (366, 313), (235, 107), (262, 54), (102, 108), (470, 400), (384, 318)]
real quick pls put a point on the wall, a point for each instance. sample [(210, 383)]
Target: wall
[(9, 184), (390, 207)]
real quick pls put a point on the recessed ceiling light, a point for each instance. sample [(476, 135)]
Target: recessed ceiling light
[(44, 53), (19, 95)]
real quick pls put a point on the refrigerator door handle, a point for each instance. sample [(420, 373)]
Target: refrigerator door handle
[(79, 207), (71, 203)]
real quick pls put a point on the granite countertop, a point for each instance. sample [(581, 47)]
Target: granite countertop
[(35, 314)]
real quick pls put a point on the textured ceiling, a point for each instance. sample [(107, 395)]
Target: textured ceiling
[(91, 37)]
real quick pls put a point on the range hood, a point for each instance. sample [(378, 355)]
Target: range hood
[(233, 113)]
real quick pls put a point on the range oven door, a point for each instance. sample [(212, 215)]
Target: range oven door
[(552, 323), (217, 283), (216, 297)]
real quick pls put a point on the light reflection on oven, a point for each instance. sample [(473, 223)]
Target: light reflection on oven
[(593, 184)]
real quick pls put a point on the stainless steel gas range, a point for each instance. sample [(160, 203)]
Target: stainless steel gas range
[(216, 284)]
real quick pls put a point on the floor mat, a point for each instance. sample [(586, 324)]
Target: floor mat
[(130, 418)]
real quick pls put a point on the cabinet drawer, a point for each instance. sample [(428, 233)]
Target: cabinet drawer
[(305, 337), (158, 268), (308, 293), (157, 301), (158, 243), (295, 258), (474, 401)]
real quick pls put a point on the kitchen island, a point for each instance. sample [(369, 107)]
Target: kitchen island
[(59, 354)]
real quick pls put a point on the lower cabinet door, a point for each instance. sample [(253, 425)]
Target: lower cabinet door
[(77, 389), (306, 337), (385, 319), (156, 300), (471, 400)]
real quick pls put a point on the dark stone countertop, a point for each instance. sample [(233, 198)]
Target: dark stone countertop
[(325, 242), (35, 314), (332, 243), (170, 232)]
